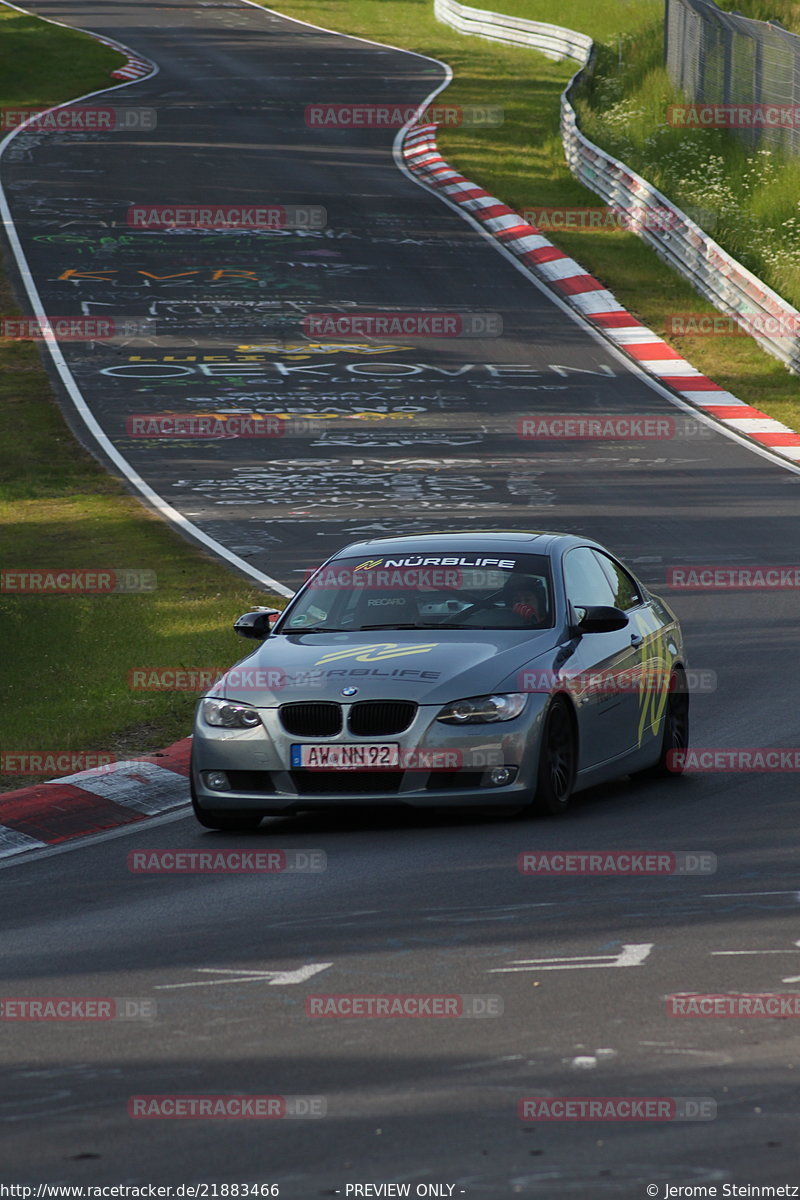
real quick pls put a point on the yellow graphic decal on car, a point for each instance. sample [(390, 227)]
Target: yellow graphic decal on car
[(375, 653), (654, 676)]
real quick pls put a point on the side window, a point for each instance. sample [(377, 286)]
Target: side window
[(626, 593), (586, 581)]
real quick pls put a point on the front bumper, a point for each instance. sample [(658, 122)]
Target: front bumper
[(256, 763)]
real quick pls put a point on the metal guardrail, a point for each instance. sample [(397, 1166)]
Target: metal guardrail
[(674, 236), (552, 40)]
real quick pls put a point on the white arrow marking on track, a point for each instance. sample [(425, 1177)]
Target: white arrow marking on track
[(271, 978), (629, 956)]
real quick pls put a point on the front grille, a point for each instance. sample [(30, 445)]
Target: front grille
[(445, 781), (318, 719), (259, 782), (346, 783), (378, 718)]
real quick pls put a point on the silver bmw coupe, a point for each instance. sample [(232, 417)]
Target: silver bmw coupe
[(498, 671)]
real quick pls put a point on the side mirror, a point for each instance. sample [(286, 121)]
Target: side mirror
[(601, 618), (256, 624)]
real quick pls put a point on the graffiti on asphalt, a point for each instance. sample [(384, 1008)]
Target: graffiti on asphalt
[(83, 243), (331, 485), (185, 309), (375, 438), (235, 276), (249, 366)]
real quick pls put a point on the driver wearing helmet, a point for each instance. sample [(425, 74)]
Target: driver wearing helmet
[(526, 601)]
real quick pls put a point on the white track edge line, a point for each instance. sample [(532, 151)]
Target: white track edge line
[(162, 507)]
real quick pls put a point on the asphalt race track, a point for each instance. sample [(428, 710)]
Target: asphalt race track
[(407, 435)]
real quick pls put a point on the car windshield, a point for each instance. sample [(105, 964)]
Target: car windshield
[(430, 591)]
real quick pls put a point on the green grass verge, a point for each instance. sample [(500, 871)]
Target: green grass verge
[(603, 20), (785, 11), (43, 64), (66, 659), (522, 162)]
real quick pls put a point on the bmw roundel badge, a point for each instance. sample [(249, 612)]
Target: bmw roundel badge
[(349, 691)]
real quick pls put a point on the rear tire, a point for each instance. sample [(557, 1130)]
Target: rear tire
[(676, 730), (233, 821), (558, 761)]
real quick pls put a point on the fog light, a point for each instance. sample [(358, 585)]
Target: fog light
[(499, 776), (217, 781)]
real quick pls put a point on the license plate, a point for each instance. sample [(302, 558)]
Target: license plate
[(344, 757)]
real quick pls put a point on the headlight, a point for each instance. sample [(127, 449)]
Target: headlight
[(229, 714), (480, 709)]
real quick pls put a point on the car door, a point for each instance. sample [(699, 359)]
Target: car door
[(608, 711), (651, 669)]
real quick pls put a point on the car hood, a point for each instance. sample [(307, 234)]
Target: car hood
[(427, 666)]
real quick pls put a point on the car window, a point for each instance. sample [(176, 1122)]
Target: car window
[(585, 580), (626, 593), (452, 590)]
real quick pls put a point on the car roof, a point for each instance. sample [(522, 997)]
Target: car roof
[(522, 541)]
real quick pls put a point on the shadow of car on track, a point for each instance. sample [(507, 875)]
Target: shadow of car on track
[(609, 799)]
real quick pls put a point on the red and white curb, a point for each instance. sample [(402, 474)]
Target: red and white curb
[(591, 299), (134, 68), (122, 793)]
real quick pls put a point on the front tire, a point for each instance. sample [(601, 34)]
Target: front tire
[(676, 730), (558, 761)]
